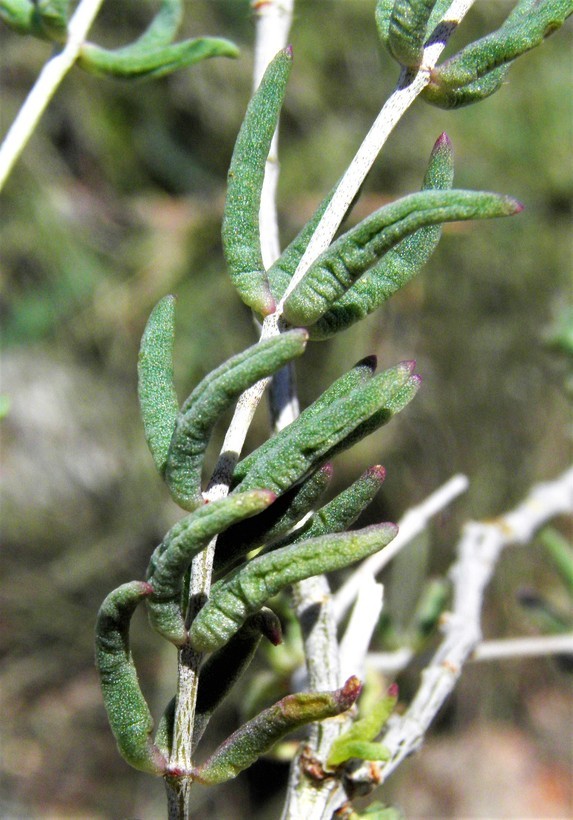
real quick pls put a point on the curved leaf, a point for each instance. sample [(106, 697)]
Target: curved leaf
[(127, 710), (358, 249), (212, 397), (244, 593), (241, 230), (157, 396), (398, 265), (407, 30), (258, 736), (182, 543)]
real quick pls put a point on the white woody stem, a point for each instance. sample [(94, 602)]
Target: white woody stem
[(479, 550), (45, 87)]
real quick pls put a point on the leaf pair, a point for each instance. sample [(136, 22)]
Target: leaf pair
[(478, 70), (353, 407), (178, 438), (153, 54)]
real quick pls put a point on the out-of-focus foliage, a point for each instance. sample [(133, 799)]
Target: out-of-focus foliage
[(116, 202)]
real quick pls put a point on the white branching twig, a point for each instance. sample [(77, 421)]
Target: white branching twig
[(412, 524), (528, 647), (46, 86), (478, 552)]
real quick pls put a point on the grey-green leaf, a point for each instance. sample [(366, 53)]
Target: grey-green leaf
[(398, 265), (530, 22), (322, 431), (241, 230), (259, 735), (450, 98), (157, 397), (407, 31), (233, 600), (212, 397), (358, 249), (273, 522), (135, 62), (127, 710), (182, 543)]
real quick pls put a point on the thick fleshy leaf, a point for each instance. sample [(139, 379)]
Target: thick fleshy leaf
[(273, 522), (398, 265), (182, 543), (223, 669), (335, 270), (407, 30), (342, 511), (241, 230), (560, 550), (364, 731), (127, 710), (449, 98), (317, 435), (342, 387), (212, 397), (234, 599), (136, 62), (157, 397), (385, 12), (530, 22), (258, 736)]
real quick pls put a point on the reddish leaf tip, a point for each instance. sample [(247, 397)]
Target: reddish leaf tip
[(393, 690), (349, 693), (377, 470), (288, 51)]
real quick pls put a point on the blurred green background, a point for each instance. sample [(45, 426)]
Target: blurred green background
[(116, 201)]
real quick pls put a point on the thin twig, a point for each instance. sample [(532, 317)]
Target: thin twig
[(45, 87), (528, 647), (412, 524), (478, 553)]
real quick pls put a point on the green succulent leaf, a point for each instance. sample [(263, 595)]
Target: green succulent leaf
[(182, 543), (157, 396), (399, 265), (142, 62), (223, 669), (336, 270), (244, 593), (357, 741), (213, 396), (407, 30), (342, 511), (53, 18), (339, 389), (241, 229), (530, 22), (327, 427), (127, 710), (258, 736), (273, 522), (450, 98)]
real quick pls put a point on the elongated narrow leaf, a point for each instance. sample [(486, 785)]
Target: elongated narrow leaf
[(530, 22), (342, 387), (157, 397), (449, 98), (407, 30), (137, 63), (273, 522), (385, 12), (163, 27), (560, 550), (244, 593), (241, 231), (223, 669), (313, 438), (127, 710), (212, 397), (398, 265), (342, 511), (258, 736), (181, 544), (53, 17), (356, 251)]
